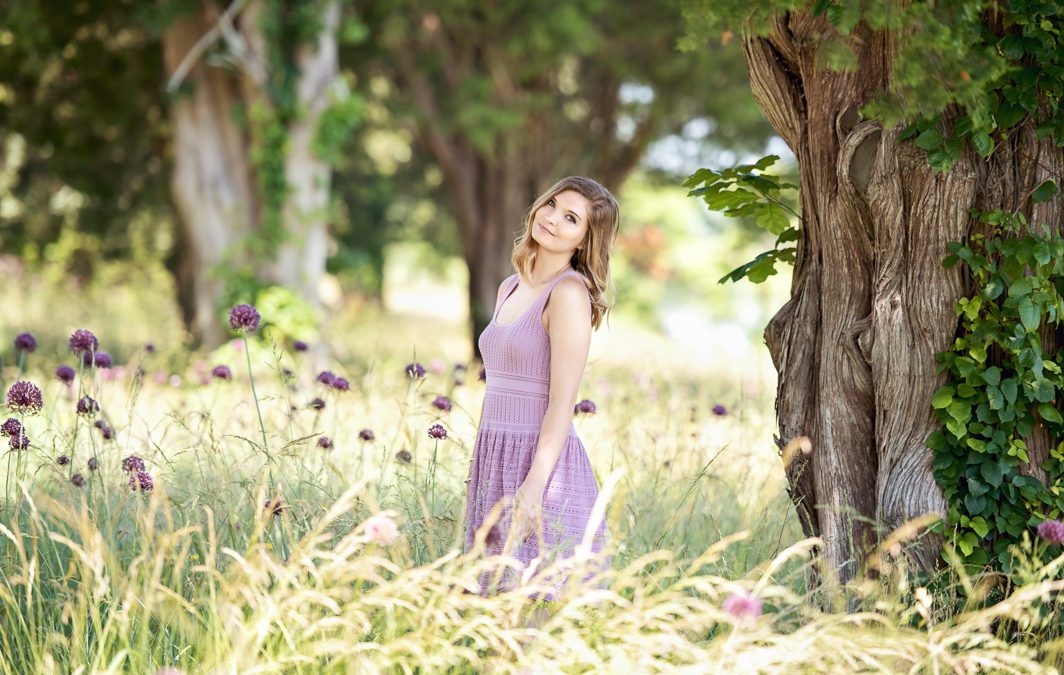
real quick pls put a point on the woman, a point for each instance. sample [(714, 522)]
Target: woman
[(527, 457)]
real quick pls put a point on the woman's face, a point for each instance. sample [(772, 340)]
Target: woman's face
[(559, 226)]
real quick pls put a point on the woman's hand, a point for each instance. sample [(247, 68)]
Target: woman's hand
[(527, 511)]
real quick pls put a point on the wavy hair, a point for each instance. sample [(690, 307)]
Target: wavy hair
[(593, 259)]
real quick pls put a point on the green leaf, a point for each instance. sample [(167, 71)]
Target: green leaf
[(774, 219), (992, 473), (1030, 315), (981, 527), (983, 143), (1045, 191), (1043, 390), (975, 505), (967, 543), (929, 139), (943, 397), (960, 411), (995, 398), (1010, 390), (1049, 413), (992, 375)]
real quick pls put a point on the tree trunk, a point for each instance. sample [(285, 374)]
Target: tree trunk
[(871, 302), (300, 261), (212, 183)]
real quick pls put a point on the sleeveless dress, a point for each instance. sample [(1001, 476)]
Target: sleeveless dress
[(517, 367)]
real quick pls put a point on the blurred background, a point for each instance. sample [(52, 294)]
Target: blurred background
[(359, 170)]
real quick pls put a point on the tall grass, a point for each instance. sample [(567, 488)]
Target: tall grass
[(214, 571)]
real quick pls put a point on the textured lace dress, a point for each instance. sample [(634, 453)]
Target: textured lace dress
[(517, 367)]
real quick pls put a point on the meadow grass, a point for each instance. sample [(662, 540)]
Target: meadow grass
[(256, 554)]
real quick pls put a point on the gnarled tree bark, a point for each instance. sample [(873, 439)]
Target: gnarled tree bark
[(871, 302)]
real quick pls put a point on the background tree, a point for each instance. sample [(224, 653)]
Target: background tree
[(903, 118), (510, 99), (249, 184), (83, 130)]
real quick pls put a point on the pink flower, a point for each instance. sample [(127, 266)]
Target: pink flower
[(1052, 531), (743, 605), (436, 366), (382, 529)]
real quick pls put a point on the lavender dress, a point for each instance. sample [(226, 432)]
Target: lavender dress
[(517, 364)]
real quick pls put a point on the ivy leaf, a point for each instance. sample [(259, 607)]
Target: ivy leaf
[(1043, 390), (981, 527), (977, 488), (995, 398), (1045, 191), (983, 143), (975, 505), (1049, 413), (1010, 390), (942, 398), (929, 139), (1030, 314), (992, 473)]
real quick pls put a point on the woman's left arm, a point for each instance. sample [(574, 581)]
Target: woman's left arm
[(569, 329)]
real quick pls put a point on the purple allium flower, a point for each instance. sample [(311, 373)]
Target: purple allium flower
[(25, 397), (222, 373), (93, 464), (316, 404), (102, 360), (11, 427), (437, 431), (586, 406), (108, 433), (62, 460), (459, 367), (78, 480), (415, 370), (404, 456), (149, 347), (82, 341), (442, 403), (1052, 531), (720, 410), (286, 373), (276, 505), (325, 442), (743, 605), (244, 317), (325, 377), (340, 384), (483, 374), (132, 463), (299, 346), (19, 442), (65, 373), (87, 406), (24, 342), (142, 481), (366, 435), (100, 423)]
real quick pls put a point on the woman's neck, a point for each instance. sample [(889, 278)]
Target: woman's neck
[(546, 267)]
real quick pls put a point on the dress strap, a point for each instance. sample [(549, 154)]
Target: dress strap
[(542, 301), (508, 288)]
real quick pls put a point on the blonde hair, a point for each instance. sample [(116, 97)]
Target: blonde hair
[(592, 260)]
